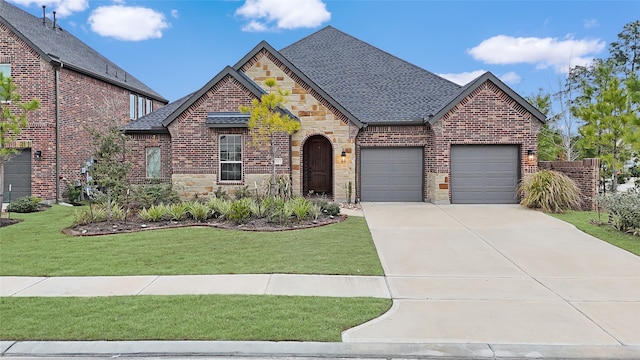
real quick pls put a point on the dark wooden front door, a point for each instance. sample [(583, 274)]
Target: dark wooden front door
[(318, 172)]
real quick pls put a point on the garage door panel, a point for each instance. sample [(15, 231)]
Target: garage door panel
[(484, 174), (391, 174), (17, 173)]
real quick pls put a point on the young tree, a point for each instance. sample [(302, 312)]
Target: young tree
[(608, 118), (267, 119), (13, 119), (110, 169)]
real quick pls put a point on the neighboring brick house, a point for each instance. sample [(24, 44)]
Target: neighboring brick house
[(395, 131), (77, 87)]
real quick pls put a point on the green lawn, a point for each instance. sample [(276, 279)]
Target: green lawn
[(607, 233), (274, 318), (36, 247)]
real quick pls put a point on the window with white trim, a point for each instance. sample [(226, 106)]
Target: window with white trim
[(149, 107), (153, 162), (230, 157), (132, 106)]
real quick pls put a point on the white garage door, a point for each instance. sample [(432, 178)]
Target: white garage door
[(391, 174), (484, 174)]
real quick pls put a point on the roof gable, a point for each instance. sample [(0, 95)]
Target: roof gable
[(372, 84), (264, 46), (59, 46), (473, 85)]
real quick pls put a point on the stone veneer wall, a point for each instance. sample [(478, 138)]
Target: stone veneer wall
[(317, 117), (486, 116), (586, 174)]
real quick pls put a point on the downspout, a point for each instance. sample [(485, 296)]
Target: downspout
[(57, 65), (291, 163)]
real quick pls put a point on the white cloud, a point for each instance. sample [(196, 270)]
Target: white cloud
[(130, 23), (543, 52), (174, 13), (511, 78), (61, 7), (589, 23), (286, 14), (463, 78)]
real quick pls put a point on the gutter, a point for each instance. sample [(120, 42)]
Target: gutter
[(57, 65)]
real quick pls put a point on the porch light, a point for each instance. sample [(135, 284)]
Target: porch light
[(38, 154), (343, 157), (531, 155)]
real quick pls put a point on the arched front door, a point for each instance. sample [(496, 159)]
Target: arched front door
[(317, 166)]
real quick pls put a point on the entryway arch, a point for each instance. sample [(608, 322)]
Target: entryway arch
[(317, 166)]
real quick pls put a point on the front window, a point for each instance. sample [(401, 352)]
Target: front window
[(149, 106), (132, 106), (140, 106), (153, 162), (5, 69), (231, 158)]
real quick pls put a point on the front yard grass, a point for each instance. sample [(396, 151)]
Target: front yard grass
[(272, 318), (36, 247), (580, 219)]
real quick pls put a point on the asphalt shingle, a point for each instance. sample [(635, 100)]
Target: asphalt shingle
[(69, 50), (372, 84)]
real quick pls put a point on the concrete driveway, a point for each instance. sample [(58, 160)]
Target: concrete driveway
[(499, 274)]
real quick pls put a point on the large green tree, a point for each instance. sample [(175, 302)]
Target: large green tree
[(549, 138), (13, 119), (267, 119), (609, 120)]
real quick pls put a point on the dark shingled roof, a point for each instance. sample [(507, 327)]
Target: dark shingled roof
[(58, 45), (227, 119), (373, 85)]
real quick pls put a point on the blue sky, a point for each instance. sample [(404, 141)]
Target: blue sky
[(175, 47)]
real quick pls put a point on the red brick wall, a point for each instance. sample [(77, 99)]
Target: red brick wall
[(394, 136), (35, 80), (84, 101), (586, 174), (486, 116), (194, 146), (138, 143)]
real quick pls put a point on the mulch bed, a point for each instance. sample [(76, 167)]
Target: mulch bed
[(136, 224)]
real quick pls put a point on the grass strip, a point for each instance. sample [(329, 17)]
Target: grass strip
[(581, 220), (36, 247), (219, 317)]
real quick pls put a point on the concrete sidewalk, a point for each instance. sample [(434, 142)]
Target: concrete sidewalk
[(308, 350), (266, 284)]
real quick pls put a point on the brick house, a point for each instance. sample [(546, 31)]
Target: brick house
[(77, 87), (395, 131)]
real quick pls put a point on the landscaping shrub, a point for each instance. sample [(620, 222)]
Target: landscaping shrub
[(199, 211), (221, 193), (145, 196), (315, 211), (259, 209), (242, 192), (240, 211), (178, 211), (25, 204), (118, 212), (623, 209), (300, 207), (550, 191), (82, 217), (331, 208), (218, 207), (154, 214)]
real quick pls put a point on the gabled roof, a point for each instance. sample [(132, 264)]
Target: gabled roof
[(371, 84), (473, 85), (58, 45), (227, 71), (263, 45)]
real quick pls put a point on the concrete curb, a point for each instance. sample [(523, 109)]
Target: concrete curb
[(310, 350)]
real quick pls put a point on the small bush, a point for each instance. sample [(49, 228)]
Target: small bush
[(25, 204), (154, 214), (82, 217), (300, 207), (550, 191), (221, 193), (145, 196), (242, 192), (178, 211), (315, 211), (331, 208), (623, 209), (118, 213), (259, 209), (219, 208), (240, 211), (199, 211)]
